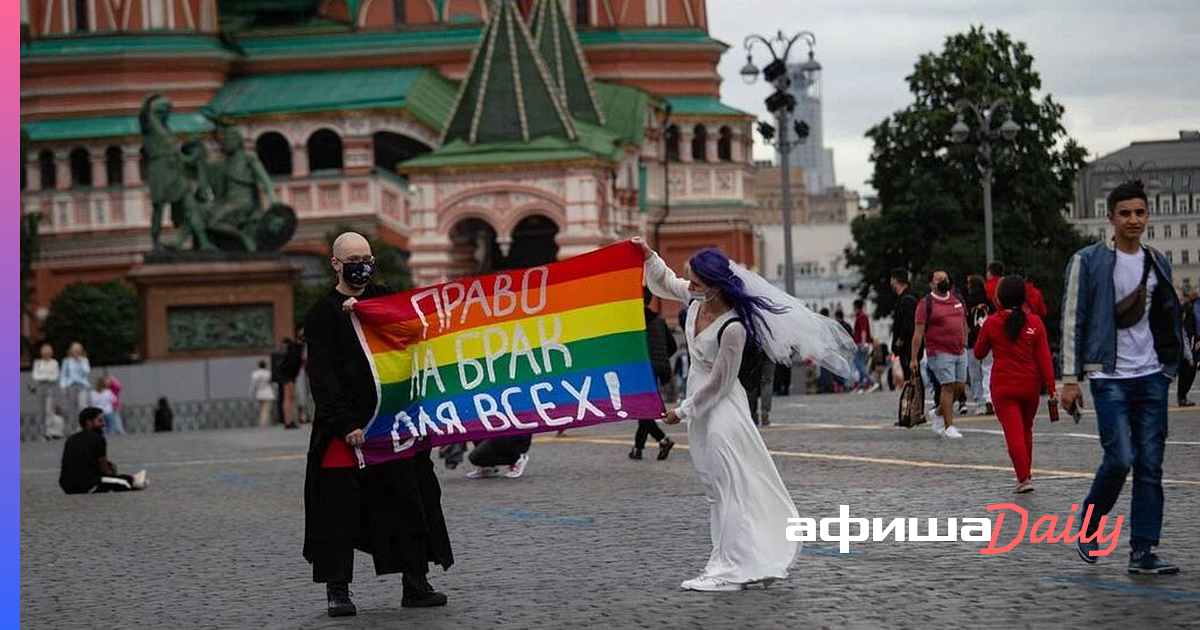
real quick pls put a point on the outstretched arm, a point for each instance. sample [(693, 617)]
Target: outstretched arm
[(661, 281)]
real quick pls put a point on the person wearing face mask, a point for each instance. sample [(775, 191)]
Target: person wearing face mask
[(392, 510), (85, 465), (748, 503), (941, 324)]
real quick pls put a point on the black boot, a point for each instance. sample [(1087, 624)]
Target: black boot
[(664, 448), (338, 595), (636, 453), (419, 593)]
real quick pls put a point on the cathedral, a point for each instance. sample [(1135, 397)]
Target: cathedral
[(471, 134)]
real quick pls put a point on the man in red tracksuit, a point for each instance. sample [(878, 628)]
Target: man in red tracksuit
[(1017, 339)]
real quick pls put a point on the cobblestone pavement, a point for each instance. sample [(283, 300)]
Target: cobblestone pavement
[(590, 538)]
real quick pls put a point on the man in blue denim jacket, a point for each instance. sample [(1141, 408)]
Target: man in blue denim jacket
[(1121, 331)]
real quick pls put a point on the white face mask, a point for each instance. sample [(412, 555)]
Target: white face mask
[(700, 297)]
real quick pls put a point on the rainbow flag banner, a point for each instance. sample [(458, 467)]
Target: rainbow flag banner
[(560, 346)]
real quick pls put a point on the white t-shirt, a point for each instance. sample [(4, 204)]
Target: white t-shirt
[(1135, 345), (102, 399)]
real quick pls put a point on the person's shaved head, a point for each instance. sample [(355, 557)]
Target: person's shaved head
[(349, 244)]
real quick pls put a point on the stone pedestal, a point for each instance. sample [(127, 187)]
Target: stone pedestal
[(203, 305)]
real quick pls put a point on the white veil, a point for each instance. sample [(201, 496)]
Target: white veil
[(798, 333)]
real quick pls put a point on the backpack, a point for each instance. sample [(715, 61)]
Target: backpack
[(912, 403), (750, 371)]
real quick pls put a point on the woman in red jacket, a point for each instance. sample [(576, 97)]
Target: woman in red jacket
[(1017, 340)]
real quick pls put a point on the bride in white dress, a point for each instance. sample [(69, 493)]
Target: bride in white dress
[(749, 506)]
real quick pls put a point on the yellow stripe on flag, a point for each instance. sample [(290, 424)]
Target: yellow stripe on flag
[(582, 323)]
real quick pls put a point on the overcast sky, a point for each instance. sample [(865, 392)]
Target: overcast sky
[(1123, 70)]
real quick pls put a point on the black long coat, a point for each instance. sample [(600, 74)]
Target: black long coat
[(392, 511)]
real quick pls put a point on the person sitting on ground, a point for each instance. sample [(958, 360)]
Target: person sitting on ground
[(85, 465), (163, 416)]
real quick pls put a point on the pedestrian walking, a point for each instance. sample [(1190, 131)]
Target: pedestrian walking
[(1023, 367), (74, 379), (114, 420), (662, 347), (941, 324), (263, 393), (1121, 331), (979, 308), (865, 344), (102, 398), (45, 386), (903, 315), (1191, 346)]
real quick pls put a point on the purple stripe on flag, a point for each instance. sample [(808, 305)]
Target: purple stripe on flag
[(400, 443)]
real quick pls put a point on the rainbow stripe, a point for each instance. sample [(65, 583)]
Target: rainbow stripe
[(554, 347)]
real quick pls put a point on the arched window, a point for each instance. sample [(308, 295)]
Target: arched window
[(398, 12), (114, 166), (81, 167), (392, 148), (700, 144), (672, 141), (275, 153), (324, 151), (725, 145), (581, 12), (48, 169)]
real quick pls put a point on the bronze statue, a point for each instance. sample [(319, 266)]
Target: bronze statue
[(217, 204)]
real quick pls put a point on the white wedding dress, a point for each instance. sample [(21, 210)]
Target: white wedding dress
[(749, 506)]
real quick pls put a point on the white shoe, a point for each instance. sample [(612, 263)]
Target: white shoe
[(482, 472), (518, 468), (140, 481), (936, 422), (874, 388), (710, 584), (952, 433)]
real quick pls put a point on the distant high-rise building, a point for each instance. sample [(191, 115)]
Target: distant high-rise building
[(811, 155)]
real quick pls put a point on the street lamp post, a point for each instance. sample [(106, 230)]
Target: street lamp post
[(781, 104), (986, 135)]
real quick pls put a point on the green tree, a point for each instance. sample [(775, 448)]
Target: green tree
[(103, 317), (393, 271), (930, 187)]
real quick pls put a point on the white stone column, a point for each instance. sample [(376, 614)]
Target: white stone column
[(710, 147), (33, 173), (131, 171), (737, 146), (299, 161), (99, 169), (685, 145)]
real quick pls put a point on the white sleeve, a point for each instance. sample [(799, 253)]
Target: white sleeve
[(662, 281), (721, 379)]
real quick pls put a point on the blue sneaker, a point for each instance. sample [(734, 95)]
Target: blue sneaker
[(1086, 547), (1146, 563)]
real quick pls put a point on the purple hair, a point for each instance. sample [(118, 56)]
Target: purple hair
[(712, 266)]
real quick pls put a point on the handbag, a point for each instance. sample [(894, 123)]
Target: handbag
[(912, 403), (1131, 308)]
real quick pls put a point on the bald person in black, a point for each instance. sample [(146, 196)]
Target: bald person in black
[(392, 510)]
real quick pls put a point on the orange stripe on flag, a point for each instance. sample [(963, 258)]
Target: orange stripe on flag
[(624, 284)]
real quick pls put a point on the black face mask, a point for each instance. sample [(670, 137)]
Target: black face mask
[(358, 273), (943, 286), (98, 430)]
